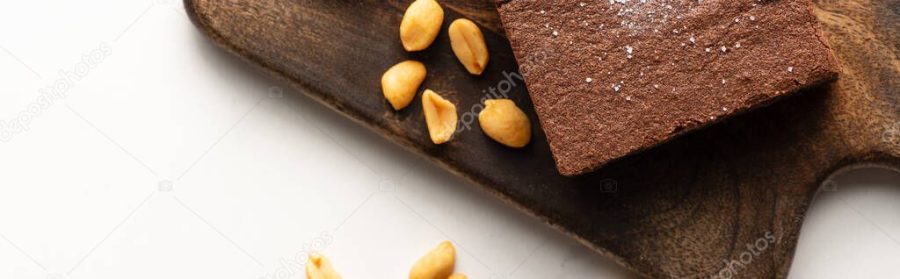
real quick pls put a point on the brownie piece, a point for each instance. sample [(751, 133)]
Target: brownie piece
[(612, 77)]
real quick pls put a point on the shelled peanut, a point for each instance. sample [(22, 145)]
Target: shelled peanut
[(319, 267), (504, 122), (440, 117), (421, 24), (469, 46), (401, 82), (437, 264)]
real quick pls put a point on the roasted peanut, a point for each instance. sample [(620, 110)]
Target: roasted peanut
[(504, 122), (421, 24), (320, 267), (458, 276), (469, 46), (440, 117), (401, 82), (437, 264)]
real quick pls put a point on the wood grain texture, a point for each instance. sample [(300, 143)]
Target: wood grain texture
[(687, 209)]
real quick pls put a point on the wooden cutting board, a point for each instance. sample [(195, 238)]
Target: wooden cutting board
[(727, 200)]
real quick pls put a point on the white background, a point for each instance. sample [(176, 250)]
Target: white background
[(170, 159)]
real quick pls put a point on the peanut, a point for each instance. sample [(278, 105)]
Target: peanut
[(401, 82), (440, 117), (320, 267), (504, 122), (437, 264), (458, 276), (468, 44), (421, 24)]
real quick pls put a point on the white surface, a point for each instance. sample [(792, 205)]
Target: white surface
[(169, 159)]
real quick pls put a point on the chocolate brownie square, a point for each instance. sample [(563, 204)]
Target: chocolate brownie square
[(612, 77)]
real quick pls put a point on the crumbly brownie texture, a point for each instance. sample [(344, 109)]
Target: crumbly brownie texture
[(612, 77)]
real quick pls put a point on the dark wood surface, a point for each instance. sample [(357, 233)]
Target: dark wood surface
[(685, 209)]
